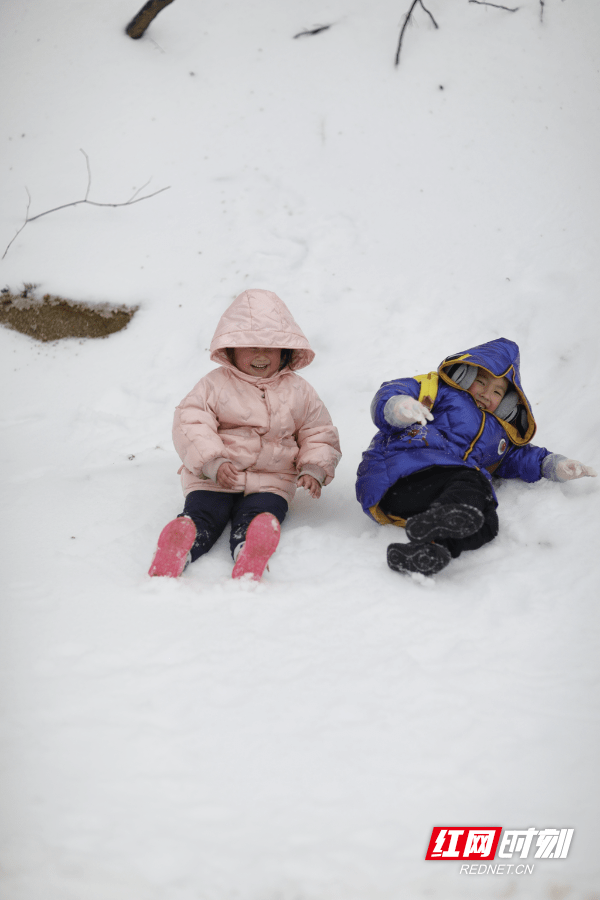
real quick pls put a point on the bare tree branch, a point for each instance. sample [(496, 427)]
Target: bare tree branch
[(406, 21), (496, 5), (140, 22), (133, 199)]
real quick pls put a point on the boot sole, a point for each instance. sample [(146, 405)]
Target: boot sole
[(174, 543), (456, 520), (424, 559), (261, 542)]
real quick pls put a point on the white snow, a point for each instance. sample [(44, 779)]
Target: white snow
[(296, 739)]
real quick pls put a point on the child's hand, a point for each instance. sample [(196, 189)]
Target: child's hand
[(310, 484), (568, 469), (403, 410), (227, 475)]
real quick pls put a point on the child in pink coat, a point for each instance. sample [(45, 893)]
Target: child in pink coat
[(248, 433)]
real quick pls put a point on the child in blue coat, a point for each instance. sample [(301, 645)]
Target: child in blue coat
[(440, 438)]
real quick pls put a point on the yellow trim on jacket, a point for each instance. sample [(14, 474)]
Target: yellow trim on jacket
[(511, 431), (429, 388), (383, 518), (477, 436)]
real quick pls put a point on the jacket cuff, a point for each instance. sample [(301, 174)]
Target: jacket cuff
[(210, 469), (549, 464), (316, 471)]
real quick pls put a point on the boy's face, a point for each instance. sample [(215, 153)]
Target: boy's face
[(264, 361), (488, 391)]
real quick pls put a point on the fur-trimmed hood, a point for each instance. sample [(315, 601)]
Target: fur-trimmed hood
[(259, 318)]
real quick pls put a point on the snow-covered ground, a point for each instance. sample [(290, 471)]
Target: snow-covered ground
[(296, 739)]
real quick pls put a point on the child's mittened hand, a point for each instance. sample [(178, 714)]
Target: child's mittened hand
[(403, 410), (311, 485), (569, 469), (227, 475)]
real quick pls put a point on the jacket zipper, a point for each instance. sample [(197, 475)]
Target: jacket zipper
[(477, 436)]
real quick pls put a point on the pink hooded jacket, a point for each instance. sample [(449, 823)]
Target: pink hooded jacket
[(272, 429)]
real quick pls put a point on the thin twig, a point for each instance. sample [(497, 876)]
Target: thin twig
[(94, 203), (89, 171), (542, 12), (133, 199), (22, 226), (316, 30), (496, 5), (406, 21), (141, 189), (428, 13)]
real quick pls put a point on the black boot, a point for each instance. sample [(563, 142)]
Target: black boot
[(426, 559), (444, 520)]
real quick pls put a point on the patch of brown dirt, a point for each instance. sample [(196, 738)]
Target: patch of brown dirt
[(53, 318)]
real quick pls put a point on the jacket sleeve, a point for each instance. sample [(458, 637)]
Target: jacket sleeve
[(523, 462), (195, 427), (408, 386), (317, 437)]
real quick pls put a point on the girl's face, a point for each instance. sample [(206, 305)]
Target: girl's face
[(263, 361), (488, 391)]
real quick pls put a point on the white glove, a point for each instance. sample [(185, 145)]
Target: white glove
[(568, 469), (402, 410)]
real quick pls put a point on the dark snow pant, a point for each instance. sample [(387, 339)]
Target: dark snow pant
[(445, 484), (210, 512)]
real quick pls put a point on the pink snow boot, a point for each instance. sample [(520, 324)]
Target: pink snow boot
[(174, 544), (261, 542)]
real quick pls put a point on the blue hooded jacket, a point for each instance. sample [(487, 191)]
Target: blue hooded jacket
[(460, 434)]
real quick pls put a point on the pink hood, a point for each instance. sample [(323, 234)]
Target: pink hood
[(259, 318), (272, 429)]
